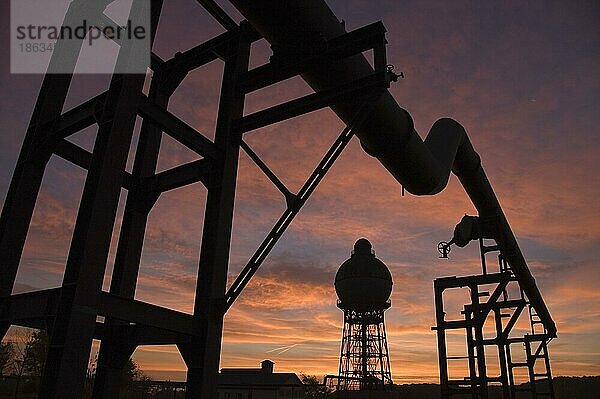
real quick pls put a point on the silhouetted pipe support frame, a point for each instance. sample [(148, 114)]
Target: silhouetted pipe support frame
[(422, 167)]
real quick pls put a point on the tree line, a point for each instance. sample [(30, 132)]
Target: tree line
[(22, 361)]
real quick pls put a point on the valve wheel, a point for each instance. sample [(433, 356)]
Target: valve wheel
[(444, 249)]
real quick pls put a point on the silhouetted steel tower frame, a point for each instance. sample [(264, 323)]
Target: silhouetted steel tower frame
[(505, 304), (364, 356), (69, 313)]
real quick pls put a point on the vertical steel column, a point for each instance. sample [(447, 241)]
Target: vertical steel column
[(344, 354), (363, 341), (33, 158), (531, 369), (115, 348), (380, 349), (202, 356), (441, 340), (501, 352), (387, 353), (469, 326), (114, 351), (73, 328), (548, 371), (479, 345), (511, 376), (76, 316)]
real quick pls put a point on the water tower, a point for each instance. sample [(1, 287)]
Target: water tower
[(363, 284)]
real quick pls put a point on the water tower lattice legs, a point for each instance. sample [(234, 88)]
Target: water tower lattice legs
[(364, 358)]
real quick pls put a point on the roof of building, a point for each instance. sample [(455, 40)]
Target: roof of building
[(263, 376)]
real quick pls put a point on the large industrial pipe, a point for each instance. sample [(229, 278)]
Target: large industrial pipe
[(423, 168)]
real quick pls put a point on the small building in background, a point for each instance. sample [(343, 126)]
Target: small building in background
[(259, 383)]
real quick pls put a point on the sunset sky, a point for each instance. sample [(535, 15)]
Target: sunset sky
[(521, 76)]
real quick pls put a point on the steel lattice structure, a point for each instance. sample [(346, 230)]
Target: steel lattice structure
[(501, 311), (70, 312), (364, 359)]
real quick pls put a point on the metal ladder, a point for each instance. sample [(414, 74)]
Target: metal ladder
[(533, 353), (536, 349)]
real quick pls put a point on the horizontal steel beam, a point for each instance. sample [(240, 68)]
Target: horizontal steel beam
[(30, 306), (529, 338), (458, 282), (144, 313), (360, 88), (511, 303), (83, 116), (83, 158), (180, 176), (206, 52), (453, 324), (134, 334), (148, 335), (178, 129), (27, 308), (74, 120), (201, 54), (483, 309), (277, 70), (41, 324)]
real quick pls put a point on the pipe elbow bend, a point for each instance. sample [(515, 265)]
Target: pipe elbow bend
[(447, 124)]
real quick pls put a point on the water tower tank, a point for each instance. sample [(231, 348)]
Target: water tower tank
[(363, 281)]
